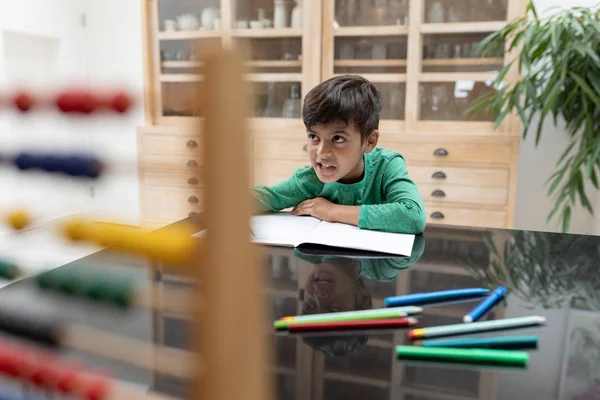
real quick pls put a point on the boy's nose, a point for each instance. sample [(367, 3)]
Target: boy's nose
[(324, 151)]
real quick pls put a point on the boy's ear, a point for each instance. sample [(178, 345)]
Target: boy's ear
[(372, 141)]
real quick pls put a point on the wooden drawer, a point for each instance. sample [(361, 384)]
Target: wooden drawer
[(448, 215), (189, 180), (444, 193), (488, 177), (170, 163), (442, 152), (270, 172), (170, 144), (169, 204), (280, 148)]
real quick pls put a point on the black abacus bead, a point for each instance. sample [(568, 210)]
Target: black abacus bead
[(34, 328)]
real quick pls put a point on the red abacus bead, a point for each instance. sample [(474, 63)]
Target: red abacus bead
[(45, 373), (95, 388), (77, 101), (8, 364), (120, 102), (23, 101)]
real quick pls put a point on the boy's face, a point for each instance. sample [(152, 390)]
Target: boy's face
[(336, 151), (332, 287)]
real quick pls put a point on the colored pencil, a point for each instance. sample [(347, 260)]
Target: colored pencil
[(419, 298), (470, 356), (475, 327), (347, 325), (498, 342), (485, 305), (407, 310), (379, 313)]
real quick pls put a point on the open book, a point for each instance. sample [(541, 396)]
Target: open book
[(284, 229)]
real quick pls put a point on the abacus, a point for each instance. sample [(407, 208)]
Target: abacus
[(230, 306)]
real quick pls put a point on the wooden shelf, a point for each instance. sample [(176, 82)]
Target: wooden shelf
[(456, 62), (181, 77), (462, 27), (274, 77), (254, 64), (181, 64), (369, 63), (382, 78), (274, 63), (268, 33), (391, 30), (187, 35), (456, 76), (263, 77)]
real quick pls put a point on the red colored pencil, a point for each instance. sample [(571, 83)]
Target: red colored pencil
[(342, 325)]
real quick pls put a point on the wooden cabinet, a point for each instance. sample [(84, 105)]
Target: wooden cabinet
[(419, 53)]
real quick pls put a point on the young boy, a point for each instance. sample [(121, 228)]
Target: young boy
[(350, 180)]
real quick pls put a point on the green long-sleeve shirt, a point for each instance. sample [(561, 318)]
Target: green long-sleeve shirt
[(389, 200)]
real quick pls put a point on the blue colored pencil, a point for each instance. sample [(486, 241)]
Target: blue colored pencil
[(418, 298), (498, 342), (485, 305)]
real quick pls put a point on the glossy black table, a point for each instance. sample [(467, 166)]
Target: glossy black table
[(549, 274)]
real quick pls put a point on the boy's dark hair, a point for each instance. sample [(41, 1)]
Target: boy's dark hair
[(348, 98)]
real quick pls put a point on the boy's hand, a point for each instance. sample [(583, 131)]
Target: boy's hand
[(318, 207)]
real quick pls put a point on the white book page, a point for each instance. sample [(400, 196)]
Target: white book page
[(282, 229), (352, 237)]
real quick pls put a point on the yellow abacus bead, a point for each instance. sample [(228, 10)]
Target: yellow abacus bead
[(18, 219), (76, 230)]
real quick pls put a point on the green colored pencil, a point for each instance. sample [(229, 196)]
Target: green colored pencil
[(378, 313), (475, 327), (472, 356)]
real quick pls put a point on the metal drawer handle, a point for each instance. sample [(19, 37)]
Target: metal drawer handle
[(439, 175), (192, 181), (193, 199), (440, 152), (192, 164), (192, 144), (438, 193), (305, 148), (437, 215)]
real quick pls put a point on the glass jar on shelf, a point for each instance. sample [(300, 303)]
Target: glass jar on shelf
[(292, 106), (272, 110)]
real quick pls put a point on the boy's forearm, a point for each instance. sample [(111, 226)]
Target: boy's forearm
[(345, 214)]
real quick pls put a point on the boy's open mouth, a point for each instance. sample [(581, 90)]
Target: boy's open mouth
[(325, 169)]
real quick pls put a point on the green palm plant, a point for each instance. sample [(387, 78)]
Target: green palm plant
[(559, 68)]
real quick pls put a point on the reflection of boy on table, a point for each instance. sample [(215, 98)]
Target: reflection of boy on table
[(336, 284)]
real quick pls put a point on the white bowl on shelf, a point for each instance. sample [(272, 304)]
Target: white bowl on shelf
[(256, 24)]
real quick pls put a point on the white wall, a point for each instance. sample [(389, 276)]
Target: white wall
[(536, 165), (41, 48), (114, 53)]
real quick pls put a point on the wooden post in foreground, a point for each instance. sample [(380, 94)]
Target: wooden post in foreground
[(230, 333)]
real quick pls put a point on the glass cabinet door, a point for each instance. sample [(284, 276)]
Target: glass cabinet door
[(270, 35), (369, 38), (460, 11), (184, 27), (451, 73)]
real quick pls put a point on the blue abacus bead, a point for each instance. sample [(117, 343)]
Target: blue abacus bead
[(49, 163), (82, 166), (24, 161)]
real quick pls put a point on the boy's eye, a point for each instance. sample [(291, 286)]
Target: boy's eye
[(312, 136), (339, 139)]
